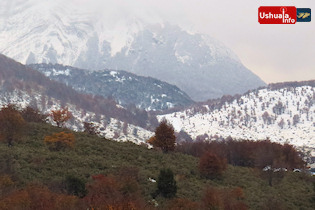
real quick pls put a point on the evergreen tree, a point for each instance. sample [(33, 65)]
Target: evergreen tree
[(166, 183), (75, 186)]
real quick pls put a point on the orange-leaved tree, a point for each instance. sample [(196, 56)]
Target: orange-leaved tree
[(152, 141), (164, 137), (60, 116), (12, 124), (211, 165), (59, 141)]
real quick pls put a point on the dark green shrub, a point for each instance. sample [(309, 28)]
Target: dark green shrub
[(75, 186), (166, 183)]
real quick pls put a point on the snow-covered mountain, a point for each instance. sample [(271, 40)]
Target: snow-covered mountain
[(33, 31), (23, 86), (126, 88), (282, 113)]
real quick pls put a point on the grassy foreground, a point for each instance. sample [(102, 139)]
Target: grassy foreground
[(30, 161)]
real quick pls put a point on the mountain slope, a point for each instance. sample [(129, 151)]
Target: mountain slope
[(280, 112), (30, 161), (198, 64), (126, 88), (37, 32), (26, 87)]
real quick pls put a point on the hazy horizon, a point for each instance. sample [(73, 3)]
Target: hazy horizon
[(275, 53)]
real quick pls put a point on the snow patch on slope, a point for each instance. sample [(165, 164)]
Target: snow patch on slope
[(109, 128), (256, 116)]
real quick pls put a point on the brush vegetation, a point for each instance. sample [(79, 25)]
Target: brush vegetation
[(92, 160)]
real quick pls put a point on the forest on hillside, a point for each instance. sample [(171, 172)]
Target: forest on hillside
[(51, 167)]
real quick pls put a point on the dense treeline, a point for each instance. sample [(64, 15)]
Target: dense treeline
[(275, 86), (271, 159), (247, 153)]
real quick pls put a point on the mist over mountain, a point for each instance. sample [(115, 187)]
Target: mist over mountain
[(33, 32)]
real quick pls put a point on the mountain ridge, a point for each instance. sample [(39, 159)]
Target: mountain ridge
[(126, 88)]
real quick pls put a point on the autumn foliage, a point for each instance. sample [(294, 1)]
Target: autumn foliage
[(211, 165), (164, 137), (106, 192), (247, 153), (36, 197), (12, 124), (61, 116), (227, 199), (59, 141), (152, 141)]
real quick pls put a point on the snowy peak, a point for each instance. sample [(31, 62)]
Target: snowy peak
[(47, 31), (59, 32), (199, 65)]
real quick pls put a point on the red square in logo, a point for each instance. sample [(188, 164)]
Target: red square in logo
[(277, 15)]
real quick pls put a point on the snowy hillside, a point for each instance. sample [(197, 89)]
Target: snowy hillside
[(33, 31), (126, 88), (23, 86), (282, 115), (109, 128)]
